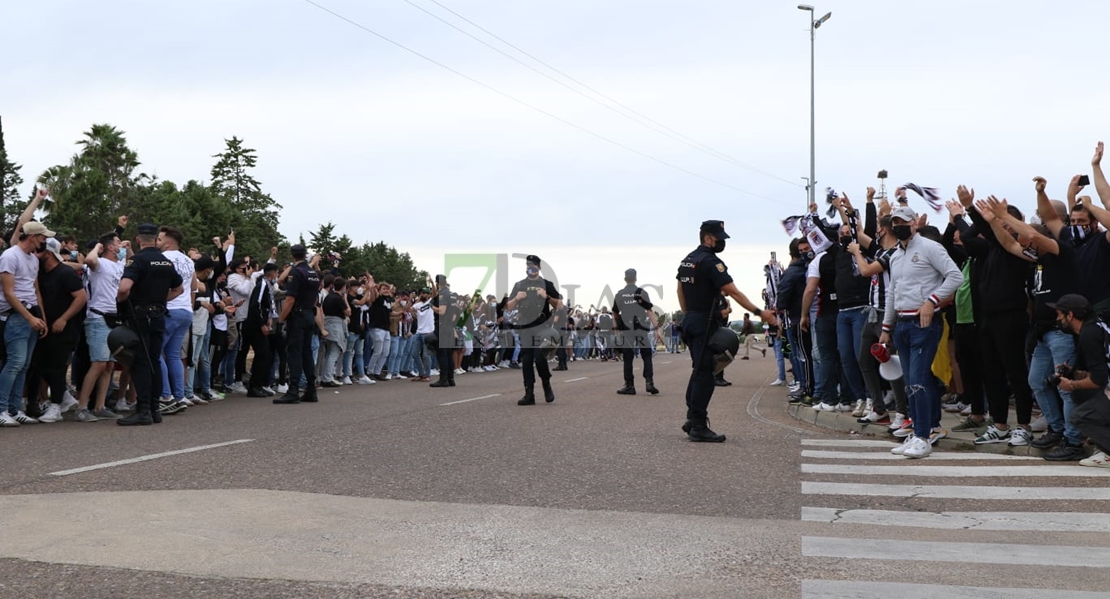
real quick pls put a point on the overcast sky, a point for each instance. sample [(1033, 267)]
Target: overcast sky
[(353, 129)]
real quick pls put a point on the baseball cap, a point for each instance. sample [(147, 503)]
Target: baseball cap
[(715, 228), (533, 259), (905, 213), (53, 246), (1072, 302), (36, 228)]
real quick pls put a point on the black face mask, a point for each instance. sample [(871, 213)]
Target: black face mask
[(845, 241), (808, 256), (41, 248), (718, 247), (1080, 234), (902, 232)]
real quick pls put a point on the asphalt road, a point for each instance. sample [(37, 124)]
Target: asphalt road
[(399, 490)]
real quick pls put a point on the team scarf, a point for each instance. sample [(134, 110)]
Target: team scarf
[(930, 194)]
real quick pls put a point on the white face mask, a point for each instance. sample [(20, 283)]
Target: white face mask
[(404, 302), (361, 290)]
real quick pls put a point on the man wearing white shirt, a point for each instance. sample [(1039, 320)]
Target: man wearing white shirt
[(178, 321), (240, 283), (21, 308), (104, 268)]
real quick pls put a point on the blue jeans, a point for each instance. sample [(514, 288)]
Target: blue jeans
[(831, 387), (797, 357), (198, 377), (232, 353), (419, 354), (849, 330), (1053, 349), (20, 340), (352, 356), (777, 345), (398, 347), (178, 323), (917, 347), (381, 351)]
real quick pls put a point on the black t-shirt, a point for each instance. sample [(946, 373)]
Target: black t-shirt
[(1091, 356), (153, 276), (303, 286), (334, 304), (1093, 262), (533, 310), (380, 309), (354, 323), (57, 287), (631, 307), (1056, 275), (702, 274)]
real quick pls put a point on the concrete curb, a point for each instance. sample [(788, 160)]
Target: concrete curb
[(956, 441)]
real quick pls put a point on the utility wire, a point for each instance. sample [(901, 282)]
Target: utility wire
[(536, 108), (642, 119)]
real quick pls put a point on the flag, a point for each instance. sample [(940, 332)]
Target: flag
[(931, 195)]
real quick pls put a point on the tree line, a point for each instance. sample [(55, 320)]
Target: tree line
[(102, 181)]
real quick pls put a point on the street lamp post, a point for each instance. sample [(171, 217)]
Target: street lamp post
[(814, 25)]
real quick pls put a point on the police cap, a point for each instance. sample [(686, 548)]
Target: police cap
[(715, 228), (148, 229), (630, 273)]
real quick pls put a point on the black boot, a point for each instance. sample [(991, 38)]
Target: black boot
[(650, 387), (442, 382), (140, 417), (548, 392), (310, 395), (700, 432), (627, 389), (529, 398), (686, 426), (290, 397)]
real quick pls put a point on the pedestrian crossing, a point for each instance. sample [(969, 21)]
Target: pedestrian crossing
[(1006, 517)]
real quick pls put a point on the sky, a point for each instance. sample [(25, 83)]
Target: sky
[(479, 154)]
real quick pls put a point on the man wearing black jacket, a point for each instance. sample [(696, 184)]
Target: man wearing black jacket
[(789, 306), (1087, 379), (256, 330)]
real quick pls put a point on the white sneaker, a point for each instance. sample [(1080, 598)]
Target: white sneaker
[(460, 371), (858, 411), (937, 434), (906, 430), (1039, 425), (843, 407), (901, 449), (966, 411), (388, 376), (777, 383), (993, 435), (897, 422), (400, 376), (188, 401), (68, 402), (346, 380), (1098, 460), (434, 372), (917, 448), (364, 380), (122, 406), (22, 418), (280, 389), (238, 387), (6, 419), (950, 403), (53, 414), (197, 400), (1020, 437), (823, 407)]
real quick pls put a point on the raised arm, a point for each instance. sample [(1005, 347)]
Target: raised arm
[(1101, 186)]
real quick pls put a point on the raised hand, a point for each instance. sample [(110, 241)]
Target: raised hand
[(870, 194), (996, 206), (884, 207), (966, 196), (1074, 187), (984, 209), (122, 221), (1097, 158), (955, 208), (1039, 183)]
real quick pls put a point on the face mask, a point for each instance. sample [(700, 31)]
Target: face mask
[(404, 302), (718, 247), (845, 240), (533, 271), (902, 232), (361, 290), (41, 248), (1079, 233), (121, 254), (808, 256)]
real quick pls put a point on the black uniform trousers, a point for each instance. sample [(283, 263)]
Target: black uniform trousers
[(146, 373), (532, 358), (699, 391), (260, 345), (49, 363), (298, 328), (277, 351), (629, 341)]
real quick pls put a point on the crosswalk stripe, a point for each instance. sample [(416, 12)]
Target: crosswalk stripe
[(1029, 521), (847, 443), (960, 471), (830, 589), (936, 455), (935, 551), (985, 493)]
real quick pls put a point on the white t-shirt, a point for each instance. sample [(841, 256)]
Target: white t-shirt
[(24, 268), (103, 286), (184, 267), (813, 271), (425, 318)]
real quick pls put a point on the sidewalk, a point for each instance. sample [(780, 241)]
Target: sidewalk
[(956, 441)]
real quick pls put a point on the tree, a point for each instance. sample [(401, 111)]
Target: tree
[(255, 213), (10, 180)]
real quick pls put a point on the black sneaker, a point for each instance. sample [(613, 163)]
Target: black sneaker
[(136, 419), (440, 383), (256, 392), (626, 390), (701, 433), (331, 384), (650, 388), (1066, 452), (529, 399), (1051, 438), (289, 398), (549, 393)]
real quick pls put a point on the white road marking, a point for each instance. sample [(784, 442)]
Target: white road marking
[(1046, 521), (847, 443), (576, 380), (451, 403), (830, 589), (753, 411), (957, 492), (960, 471), (1011, 554), (936, 455), (144, 458)]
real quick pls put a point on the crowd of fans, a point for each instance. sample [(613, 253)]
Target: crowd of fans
[(995, 311)]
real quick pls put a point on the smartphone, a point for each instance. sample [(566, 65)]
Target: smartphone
[(774, 257), (1084, 180)]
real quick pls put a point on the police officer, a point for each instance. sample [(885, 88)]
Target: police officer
[(298, 312), (632, 309), (701, 279), (149, 281), (534, 297)]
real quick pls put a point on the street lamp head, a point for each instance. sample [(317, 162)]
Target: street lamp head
[(805, 7), (817, 23)]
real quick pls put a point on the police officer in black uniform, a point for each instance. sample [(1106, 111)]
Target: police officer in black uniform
[(632, 309), (701, 279), (149, 282), (534, 298), (298, 312), (446, 309)]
